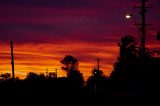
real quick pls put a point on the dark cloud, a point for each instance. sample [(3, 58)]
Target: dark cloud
[(85, 20), (54, 3)]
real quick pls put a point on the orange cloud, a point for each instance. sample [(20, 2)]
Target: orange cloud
[(37, 57)]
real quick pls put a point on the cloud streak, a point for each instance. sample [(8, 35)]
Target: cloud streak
[(44, 31)]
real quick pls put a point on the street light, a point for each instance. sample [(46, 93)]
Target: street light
[(128, 16)]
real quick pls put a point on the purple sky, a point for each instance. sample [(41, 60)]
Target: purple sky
[(96, 25), (87, 20)]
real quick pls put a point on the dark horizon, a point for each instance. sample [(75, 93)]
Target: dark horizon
[(84, 52)]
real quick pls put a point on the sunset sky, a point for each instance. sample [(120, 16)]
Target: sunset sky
[(44, 31)]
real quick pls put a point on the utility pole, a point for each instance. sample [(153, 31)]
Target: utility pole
[(12, 59), (143, 24), (143, 27), (98, 65)]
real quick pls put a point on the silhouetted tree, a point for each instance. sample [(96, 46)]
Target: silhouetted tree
[(128, 48), (126, 72), (41, 76), (5, 76), (96, 82), (128, 58), (130, 72), (32, 76), (52, 75), (71, 67), (76, 77), (70, 63), (35, 76)]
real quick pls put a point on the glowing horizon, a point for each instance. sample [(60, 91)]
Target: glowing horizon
[(45, 31), (36, 58)]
